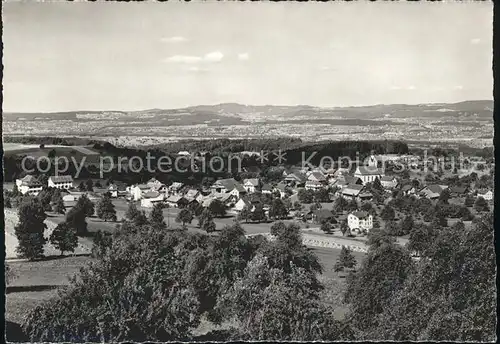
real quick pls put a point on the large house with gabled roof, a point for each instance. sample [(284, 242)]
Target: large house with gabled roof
[(29, 185), (61, 182)]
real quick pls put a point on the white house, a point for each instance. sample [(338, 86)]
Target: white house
[(175, 188), (360, 220), (487, 195), (191, 194), (117, 189), (267, 189), (29, 185), (151, 198), (61, 182), (137, 191), (389, 182), (242, 203), (251, 184), (313, 185), (229, 185), (316, 176)]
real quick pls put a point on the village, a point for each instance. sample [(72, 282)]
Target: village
[(337, 206)]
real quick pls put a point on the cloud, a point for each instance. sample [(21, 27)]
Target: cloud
[(243, 56), (408, 88), (214, 56), (475, 41), (196, 69), (184, 59), (175, 39)]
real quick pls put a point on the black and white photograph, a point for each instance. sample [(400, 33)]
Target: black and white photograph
[(221, 171)]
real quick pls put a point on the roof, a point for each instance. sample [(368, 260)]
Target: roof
[(151, 194), (223, 197), (176, 185), (228, 183), (407, 187), (143, 186), (245, 201), (323, 213), (239, 187), (483, 191), (253, 169), (387, 178), (173, 198), (191, 193), (365, 194), (30, 180), (313, 183), (267, 187), (458, 189), (352, 189), (352, 180), (253, 181), (296, 176), (317, 175), (61, 179), (368, 171), (281, 186), (434, 188), (360, 214), (341, 171), (117, 186)]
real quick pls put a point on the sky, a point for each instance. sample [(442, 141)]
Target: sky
[(134, 56)]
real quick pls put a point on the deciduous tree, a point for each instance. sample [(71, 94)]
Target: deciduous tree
[(30, 229), (64, 238)]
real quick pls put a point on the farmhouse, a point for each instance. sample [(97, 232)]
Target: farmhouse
[(251, 185), (242, 203), (229, 185), (297, 179), (316, 176), (267, 189), (486, 194), (408, 189), (344, 180), (458, 191), (432, 191), (322, 215), (360, 220), (176, 201), (151, 198), (137, 191), (351, 191), (117, 189), (281, 188), (175, 188), (61, 182), (313, 185), (191, 194), (29, 185), (389, 182)]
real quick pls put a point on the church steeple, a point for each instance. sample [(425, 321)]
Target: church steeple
[(372, 161)]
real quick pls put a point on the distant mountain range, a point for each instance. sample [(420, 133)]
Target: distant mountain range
[(469, 121), (483, 108)]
